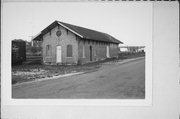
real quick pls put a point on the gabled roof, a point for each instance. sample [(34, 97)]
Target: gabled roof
[(84, 33)]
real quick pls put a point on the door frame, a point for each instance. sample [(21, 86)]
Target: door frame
[(90, 53), (58, 57), (107, 51)]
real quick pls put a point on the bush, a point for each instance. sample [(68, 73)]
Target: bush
[(35, 49)]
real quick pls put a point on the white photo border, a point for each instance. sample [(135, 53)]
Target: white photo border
[(7, 87)]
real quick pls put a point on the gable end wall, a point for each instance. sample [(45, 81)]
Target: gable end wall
[(64, 40)]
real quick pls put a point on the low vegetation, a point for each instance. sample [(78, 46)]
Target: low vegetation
[(128, 55), (23, 73), (30, 72)]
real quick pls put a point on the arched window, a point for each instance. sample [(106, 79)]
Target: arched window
[(48, 50), (69, 50)]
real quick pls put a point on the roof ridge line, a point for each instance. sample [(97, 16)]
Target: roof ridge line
[(83, 27)]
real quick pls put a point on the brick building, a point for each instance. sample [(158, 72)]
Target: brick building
[(64, 43)]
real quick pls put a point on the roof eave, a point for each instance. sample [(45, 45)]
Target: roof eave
[(37, 38), (70, 29), (121, 42)]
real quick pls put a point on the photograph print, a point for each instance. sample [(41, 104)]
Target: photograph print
[(74, 50)]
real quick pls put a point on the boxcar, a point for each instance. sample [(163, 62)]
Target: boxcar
[(18, 51)]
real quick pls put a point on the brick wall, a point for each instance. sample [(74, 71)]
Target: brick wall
[(114, 50), (65, 39), (99, 50)]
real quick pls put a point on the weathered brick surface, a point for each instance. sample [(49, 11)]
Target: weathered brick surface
[(114, 50), (99, 49), (65, 39)]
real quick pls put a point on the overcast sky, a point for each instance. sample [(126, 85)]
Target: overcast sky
[(129, 22)]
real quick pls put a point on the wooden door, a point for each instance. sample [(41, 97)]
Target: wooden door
[(58, 54), (90, 51), (107, 51)]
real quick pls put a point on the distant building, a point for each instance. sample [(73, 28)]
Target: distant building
[(64, 43), (36, 43), (123, 49), (132, 49)]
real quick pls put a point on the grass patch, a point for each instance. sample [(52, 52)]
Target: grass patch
[(125, 55), (30, 72), (24, 73)]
